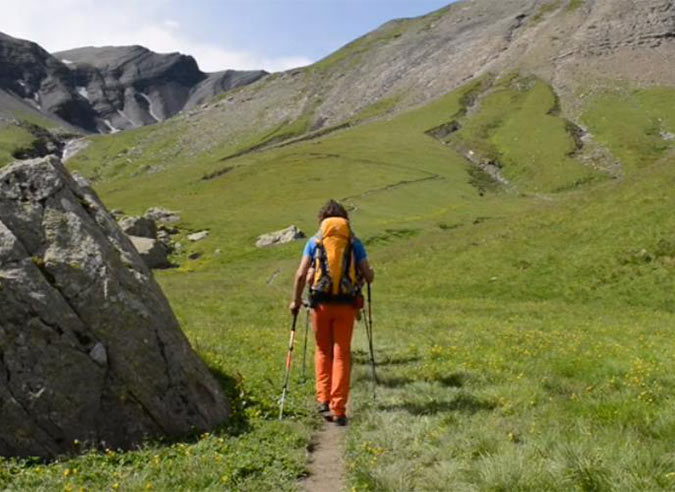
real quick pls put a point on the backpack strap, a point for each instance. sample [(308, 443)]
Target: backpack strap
[(347, 285), (346, 264), (325, 284)]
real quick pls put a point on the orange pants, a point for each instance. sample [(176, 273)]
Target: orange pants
[(333, 325)]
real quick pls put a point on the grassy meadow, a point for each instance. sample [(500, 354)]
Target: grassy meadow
[(524, 335), (12, 139)]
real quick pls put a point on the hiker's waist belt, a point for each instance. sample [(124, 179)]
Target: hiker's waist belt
[(323, 298)]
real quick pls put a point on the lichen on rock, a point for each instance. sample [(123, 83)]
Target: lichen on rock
[(89, 347)]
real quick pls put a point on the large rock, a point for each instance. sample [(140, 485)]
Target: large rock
[(291, 233), (139, 226), (153, 252), (89, 347)]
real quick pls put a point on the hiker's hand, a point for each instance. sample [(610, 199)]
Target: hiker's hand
[(367, 271), (295, 307)]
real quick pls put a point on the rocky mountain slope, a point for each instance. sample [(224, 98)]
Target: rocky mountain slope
[(578, 47), (131, 86), (105, 89)]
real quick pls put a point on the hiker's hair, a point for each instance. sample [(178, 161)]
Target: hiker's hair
[(332, 209)]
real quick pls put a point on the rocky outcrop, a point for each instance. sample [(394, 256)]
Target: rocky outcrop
[(89, 347), (153, 252), (33, 75), (131, 86), (139, 226), (291, 233)]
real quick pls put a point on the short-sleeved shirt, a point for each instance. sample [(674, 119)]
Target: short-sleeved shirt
[(359, 250)]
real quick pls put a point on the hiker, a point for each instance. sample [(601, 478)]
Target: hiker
[(335, 265)]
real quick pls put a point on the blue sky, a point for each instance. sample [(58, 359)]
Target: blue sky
[(312, 28), (242, 34)]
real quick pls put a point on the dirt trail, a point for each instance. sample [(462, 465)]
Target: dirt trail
[(326, 468)]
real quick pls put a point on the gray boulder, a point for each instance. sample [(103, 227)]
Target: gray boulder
[(291, 233), (139, 227), (153, 252), (159, 214), (90, 349)]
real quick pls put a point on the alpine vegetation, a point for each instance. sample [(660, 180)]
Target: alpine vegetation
[(508, 171)]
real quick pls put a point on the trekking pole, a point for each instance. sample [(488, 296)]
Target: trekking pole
[(304, 349), (369, 333), (289, 357)]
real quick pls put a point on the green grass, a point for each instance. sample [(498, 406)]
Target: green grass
[(524, 342), (34, 118), (490, 395), (574, 5), (12, 139), (128, 154), (632, 124), (379, 108), (16, 136), (517, 125)]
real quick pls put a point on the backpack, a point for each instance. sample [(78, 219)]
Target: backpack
[(335, 273)]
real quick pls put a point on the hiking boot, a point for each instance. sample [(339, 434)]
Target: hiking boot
[(341, 420), (323, 407)]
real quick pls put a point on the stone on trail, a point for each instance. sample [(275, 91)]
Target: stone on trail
[(291, 233), (89, 347)]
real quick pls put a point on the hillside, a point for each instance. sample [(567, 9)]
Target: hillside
[(579, 48), (509, 167)]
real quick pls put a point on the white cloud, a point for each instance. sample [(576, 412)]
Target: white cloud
[(63, 24)]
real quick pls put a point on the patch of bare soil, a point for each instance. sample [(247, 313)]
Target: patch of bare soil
[(327, 468)]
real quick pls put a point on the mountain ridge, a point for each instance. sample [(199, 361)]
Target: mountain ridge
[(579, 47), (134, 86), (108, 88)]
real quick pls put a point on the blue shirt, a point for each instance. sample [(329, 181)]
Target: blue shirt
[(359, 250)]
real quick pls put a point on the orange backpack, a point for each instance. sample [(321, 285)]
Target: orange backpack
[(335, 274)]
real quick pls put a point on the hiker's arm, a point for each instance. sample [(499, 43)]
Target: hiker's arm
[(299, 284), (367, 271)]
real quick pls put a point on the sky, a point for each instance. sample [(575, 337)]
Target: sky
[(221, 34)]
